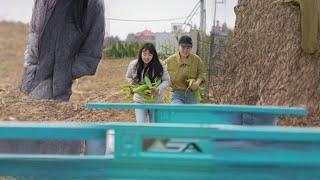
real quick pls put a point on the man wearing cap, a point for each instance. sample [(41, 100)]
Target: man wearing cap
[(182, 66)]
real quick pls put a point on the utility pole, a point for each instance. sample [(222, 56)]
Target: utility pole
[(202, 17), (201, 35)]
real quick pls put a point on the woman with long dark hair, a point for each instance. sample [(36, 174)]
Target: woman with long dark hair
[(148, 65)]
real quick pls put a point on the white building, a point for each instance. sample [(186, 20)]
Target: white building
[(166, 43)]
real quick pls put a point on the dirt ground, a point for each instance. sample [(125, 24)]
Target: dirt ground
[(105, 86)]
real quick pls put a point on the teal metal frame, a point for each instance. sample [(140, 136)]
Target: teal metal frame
[(275, 152), (209, 113)]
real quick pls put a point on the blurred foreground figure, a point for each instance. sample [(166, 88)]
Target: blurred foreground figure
[(65, 43)]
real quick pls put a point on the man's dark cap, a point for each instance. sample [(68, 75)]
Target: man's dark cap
[(185, 41)]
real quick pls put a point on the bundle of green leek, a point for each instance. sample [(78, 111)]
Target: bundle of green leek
[(144, 90), (197, 92)]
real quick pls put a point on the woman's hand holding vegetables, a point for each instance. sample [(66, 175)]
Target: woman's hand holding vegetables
[(154, 91)]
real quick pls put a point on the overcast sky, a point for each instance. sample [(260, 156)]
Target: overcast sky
[(20, 10)]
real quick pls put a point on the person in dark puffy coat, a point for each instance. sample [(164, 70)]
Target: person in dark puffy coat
[(65, 43)]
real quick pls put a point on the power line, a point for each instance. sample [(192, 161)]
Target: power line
[(140, 20), (194, 10), (191, 15)]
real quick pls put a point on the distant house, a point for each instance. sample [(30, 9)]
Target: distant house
[(145, 36), (166, 42)]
